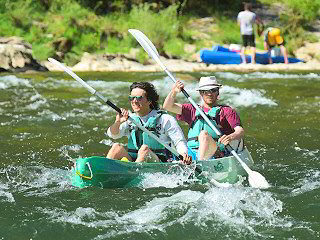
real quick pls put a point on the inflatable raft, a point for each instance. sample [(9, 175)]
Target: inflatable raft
[(222, 55)]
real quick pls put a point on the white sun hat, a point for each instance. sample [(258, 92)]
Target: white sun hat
[(207, 83)]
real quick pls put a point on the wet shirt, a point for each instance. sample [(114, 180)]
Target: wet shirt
[(167, 129), (246, 19), (228, 118)]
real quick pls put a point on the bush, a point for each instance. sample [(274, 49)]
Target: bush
[(174, 47), (308, 10), (115, 45), (158, 27), (230, 32), (42, 51)]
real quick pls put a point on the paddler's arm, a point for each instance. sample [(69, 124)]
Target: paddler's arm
[(236, 135), (114, 130), (169, 103), (176, 136)]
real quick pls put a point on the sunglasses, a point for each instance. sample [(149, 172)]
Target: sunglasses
[(213, 90), (138, 98)]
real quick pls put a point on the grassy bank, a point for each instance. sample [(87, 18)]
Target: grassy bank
[(67, 28)]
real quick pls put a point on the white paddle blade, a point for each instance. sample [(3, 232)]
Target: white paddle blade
[(140, 35), (72, 74), (256, 180), (147, 46)]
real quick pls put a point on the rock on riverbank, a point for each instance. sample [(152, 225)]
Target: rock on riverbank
[(16, 56)]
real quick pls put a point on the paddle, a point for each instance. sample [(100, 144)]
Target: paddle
[(94, 92), (255, 179)]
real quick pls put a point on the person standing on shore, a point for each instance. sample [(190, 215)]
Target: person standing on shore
[(203, 140), (246, 19), (272, 38)]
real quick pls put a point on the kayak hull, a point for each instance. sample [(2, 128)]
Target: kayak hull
[(109, 173)]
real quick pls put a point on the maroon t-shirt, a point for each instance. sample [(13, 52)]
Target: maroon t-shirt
[(228, 119)]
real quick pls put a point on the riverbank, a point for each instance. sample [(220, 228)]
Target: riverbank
[(101, 63)]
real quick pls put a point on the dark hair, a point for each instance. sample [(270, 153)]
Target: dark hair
[(151, 95), (247, 6)]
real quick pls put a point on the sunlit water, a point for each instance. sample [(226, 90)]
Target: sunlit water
[(48, 119)]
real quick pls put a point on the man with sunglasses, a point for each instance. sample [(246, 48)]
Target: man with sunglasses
[(203, 140), (141, 147)]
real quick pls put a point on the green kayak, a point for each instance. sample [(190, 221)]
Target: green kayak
[(109, 173)]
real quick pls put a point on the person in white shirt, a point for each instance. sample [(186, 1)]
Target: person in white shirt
[(246, 19), (141, 147)]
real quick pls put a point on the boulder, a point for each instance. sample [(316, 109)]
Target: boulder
[(16, 56), (309, 52)]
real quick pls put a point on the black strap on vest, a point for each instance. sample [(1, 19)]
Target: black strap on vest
[(197, 139)]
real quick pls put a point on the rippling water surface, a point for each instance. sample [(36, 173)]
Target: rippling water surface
[(48, 119)]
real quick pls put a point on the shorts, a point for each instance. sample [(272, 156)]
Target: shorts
[(281, 44), (248, 40)]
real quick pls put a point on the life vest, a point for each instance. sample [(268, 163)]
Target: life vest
[(200, 124), (138, 137), (273, 37)]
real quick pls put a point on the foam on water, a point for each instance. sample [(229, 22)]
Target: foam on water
[(310, 182), (65, 149), (113, 86), (52, 83), (107, 142), (25, 96), (233, 96), (107, 88), (240, 210), (311, 155), (33, 181), (5, 195), (13, 81), (169, 180), (244, 97)]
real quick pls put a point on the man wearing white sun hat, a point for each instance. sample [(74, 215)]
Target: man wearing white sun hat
[(201, 138)]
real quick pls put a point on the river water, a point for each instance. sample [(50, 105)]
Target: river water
[(48, 119)]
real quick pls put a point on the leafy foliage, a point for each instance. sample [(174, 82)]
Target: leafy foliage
[(159, 27), (97, 26)]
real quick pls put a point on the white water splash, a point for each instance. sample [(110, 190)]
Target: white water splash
[(244, 97), (106, 142), (5, 195), (155, 180), (309, 183), (233, 96), (13, 81), (310, 154), (33, 181), (74, 148), (240, 210)]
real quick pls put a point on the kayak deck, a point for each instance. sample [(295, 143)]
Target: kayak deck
[(109, 173)]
